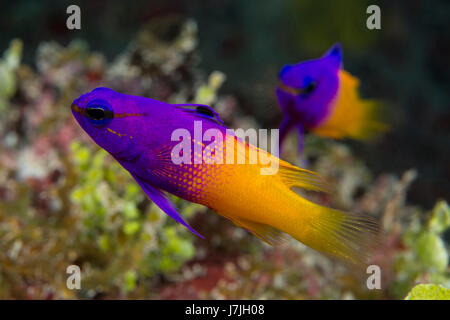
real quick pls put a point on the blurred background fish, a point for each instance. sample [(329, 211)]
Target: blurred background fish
[(319, 96)]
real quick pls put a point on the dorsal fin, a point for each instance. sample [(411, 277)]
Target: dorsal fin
[(201, 110), (293, 176)]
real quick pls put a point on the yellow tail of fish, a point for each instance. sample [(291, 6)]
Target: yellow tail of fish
[(340, 234), (351, 116), (334, 232), (279, 211)]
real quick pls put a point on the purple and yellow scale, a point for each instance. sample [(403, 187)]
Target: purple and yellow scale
[(197, 181), (139, 133)]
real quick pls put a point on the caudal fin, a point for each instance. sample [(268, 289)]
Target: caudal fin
[(337, 233), (340, 234), (372, 121)]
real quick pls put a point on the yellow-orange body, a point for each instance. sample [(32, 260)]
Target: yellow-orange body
[(265, 204)]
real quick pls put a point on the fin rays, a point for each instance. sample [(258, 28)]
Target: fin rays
[(296, 177)]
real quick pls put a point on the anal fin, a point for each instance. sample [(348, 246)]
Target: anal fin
[(264, 232)]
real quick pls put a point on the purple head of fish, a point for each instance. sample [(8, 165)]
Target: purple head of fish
[(125, 125), (113, 120), (138, 132), (307, 89)]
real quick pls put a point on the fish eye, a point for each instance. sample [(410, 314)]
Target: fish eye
[(95, 113), (99, 113), (309, 88)]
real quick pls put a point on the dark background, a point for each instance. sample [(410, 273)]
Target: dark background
[(404, 64)]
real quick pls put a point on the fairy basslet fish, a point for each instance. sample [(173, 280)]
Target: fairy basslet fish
[(319, 96), (143, 135)]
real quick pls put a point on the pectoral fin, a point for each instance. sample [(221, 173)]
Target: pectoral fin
[(164, 203)]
